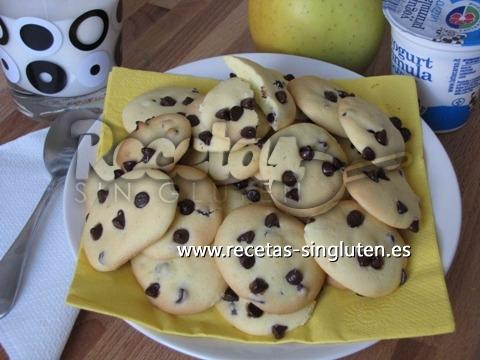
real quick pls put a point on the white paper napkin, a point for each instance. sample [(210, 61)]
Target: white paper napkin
[(40, 323)]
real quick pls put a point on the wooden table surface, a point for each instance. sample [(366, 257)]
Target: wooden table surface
[(160, 34)]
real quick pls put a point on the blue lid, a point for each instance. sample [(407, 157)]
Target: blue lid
[(455, 22)]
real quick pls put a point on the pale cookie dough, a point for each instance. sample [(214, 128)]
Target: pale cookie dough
[(242, 193), (250, 319), (279, 284), (199, 214), (318, 99), (386, 195), (371, 131), (270, 89), (157, 143), (124, 218), (167, 100), (179, 286), (303, 164), (365, 275), (230, 103)]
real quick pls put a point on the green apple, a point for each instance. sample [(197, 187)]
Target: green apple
[(344, 32)]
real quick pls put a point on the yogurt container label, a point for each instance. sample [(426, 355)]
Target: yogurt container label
[(438, 42)]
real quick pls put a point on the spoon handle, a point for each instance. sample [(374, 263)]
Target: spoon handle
[(13, 262)]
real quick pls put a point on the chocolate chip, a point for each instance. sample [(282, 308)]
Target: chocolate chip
[(258, 286), (241, 184), (236, 113), (248, 103), (355, 218), (253, 311), (141, 200), (396, 122), (376, 174), (278, 84), (288, 77), (414, 226), (381, 137), (147, 154), (223, 114), (129, 165), (102, 196), (253, 195), (368, 154), (186, 206), (364, 260), (271, 118), (248, 132), (289, 178), (406, 134), (247, 261), (376, 262), (119, 220), (306, 153), (181, 236), (230, 295), (195, 91), (292, 195), (401, 207), (187, 100), (96, 231), (271, 220), (232, 75), (248, 237), (337, 163), (117, 173), (330, 96), (181, 113), (182, 295), (279, 331), (328, 169), (86, 217), (281, 96), (153, 290), (404, 277), (167, 101), (294, 277), (206, 137), (194, 120), (344, 94)]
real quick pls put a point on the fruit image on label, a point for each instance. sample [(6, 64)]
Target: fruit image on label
[(463, 17)]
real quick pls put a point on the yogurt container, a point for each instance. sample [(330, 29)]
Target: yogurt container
[(438, 42)]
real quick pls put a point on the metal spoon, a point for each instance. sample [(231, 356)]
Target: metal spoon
[(60, 146)]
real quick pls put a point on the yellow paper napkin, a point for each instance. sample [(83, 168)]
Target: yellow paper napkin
[(420, 307)]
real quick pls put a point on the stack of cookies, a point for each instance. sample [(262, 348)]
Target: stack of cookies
[(261, 159)]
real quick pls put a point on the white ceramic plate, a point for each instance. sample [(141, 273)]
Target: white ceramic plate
[(443, 186)]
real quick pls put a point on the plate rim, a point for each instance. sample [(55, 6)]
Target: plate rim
[(348, 348)]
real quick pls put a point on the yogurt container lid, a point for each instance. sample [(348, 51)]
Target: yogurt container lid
[(453, 22)]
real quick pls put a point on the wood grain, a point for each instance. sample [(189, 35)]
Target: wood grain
[(160, 34)]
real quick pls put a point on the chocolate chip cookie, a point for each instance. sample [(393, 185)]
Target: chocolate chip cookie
[(166, 100), (250, 319), (318, 99), (303, 164), (280, 284), (348, 223), (271, 92), (124, 218), (179, 286)]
